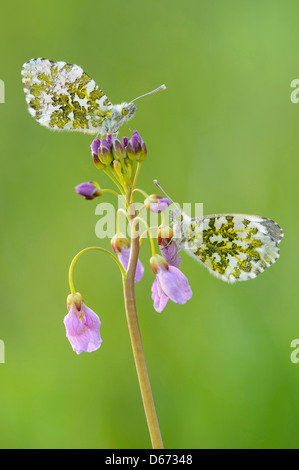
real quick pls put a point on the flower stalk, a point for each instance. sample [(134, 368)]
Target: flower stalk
[(136, 341), (121, 162)]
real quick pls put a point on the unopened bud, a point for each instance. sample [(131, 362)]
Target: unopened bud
[(118, 149), (136, 148), (89, 190)]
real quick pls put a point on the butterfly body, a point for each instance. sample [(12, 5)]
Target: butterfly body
[(120, 113), (62, 96), (234, 247)]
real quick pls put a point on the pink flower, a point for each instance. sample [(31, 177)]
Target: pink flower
[(168, 246), (170, 283), (156, 203), (121, 247), (82, 325), (124, 256)]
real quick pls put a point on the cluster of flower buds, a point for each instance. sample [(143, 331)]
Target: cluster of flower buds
[(119, 156)]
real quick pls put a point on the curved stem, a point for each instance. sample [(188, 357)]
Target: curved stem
[(117, 218), (98, 248), (134, 234), (141, 192), (119, 196), (137, 346), (142, 236)]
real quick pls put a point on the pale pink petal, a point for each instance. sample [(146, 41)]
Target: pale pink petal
[(158, 296), (175, 285), (82, 329), (124, 256), (170, 253)]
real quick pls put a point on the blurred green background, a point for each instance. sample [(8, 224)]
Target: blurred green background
[(225, 133)]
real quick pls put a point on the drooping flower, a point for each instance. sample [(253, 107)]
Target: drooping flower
[(82, 325), (157, 203), (89, 190), (168, 246), (121, 246), (170, 283)]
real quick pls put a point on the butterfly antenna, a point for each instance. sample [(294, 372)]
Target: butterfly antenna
[(160, 88), (129, 126), (161, 189)]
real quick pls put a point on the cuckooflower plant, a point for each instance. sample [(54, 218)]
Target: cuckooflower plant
[(121, 161)]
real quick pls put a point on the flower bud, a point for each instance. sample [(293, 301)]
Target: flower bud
[(156, 203), (125, 141), (89, 190), (157, 262), (119, 242), (94, 148), (104, 151), (136, 149), (118, 149), (117, 168)]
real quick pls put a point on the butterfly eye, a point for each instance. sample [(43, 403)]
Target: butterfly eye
[(124, 111)]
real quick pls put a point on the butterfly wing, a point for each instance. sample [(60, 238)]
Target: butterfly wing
[(233, 247), (63, 96)]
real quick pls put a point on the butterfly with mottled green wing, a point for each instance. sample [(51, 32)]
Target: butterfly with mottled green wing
[(62, 96), (234, 247)]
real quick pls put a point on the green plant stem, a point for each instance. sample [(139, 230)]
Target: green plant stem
[(90, 248), (136, 340)]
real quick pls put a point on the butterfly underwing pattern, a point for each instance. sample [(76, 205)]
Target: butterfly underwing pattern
[(234, 247), (62, 96)]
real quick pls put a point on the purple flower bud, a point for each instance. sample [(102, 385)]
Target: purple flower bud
[(156, 203), (94, 148), (125, 141), (82, 325), (136, 148), (105, 151), (118, 149), (89, 190)]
